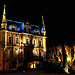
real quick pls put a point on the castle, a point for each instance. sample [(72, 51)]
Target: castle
[(19, 42)]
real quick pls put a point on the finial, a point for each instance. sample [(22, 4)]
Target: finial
[(43, 23), (42, 19), (4, 6), (4, 9)]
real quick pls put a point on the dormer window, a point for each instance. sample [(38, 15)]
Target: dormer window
[(37, 31), (27, 27), (13, 27)]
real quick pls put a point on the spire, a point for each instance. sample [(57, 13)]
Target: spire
[(43, 23), (44, 29), (4, 22), (4, 15), (4, 9)]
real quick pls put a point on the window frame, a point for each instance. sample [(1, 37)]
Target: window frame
[(9, 39), (17, 40)]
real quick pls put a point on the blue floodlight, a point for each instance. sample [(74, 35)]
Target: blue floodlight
[(9, 27), (32, 25), (33, 32), (42, 30), (22, 25), (37, 26), (18, 28)]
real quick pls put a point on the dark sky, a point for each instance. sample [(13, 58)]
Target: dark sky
[(59, 17)]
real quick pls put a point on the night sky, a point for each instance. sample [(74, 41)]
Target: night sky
[(59, 17)]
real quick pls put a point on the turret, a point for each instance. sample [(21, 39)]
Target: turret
[(4, 22), (44, 38)]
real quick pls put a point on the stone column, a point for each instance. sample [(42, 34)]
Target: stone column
[(44, 46)]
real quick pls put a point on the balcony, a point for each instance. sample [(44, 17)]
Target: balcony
[(12, 44), (29, 45), (38, 46), (34, 58)]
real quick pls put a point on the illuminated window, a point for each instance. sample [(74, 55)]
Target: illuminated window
[(13, 27), (35, 53), (32, 64), (16, 40), (9, 40), (34, 42), (16, 52), (8, 53)]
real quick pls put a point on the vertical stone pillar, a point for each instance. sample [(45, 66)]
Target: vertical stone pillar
[(5, 38), (74, 53), (24, 39), (1, 58), (20, 39), (44, 46), (37, 42)]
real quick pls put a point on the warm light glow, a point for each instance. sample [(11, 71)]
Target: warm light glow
[(20, 50), (24, 39), (20, 44), (59, 60), (33, 65), (66, 68), (16, 51), (44, 44), (68, 58), (35, 52)]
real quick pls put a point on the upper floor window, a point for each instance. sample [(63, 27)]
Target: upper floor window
[(26, 41), (16, 40), (27, 29), (39, 43), (13, 29), (34, 42), (9, 40)]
